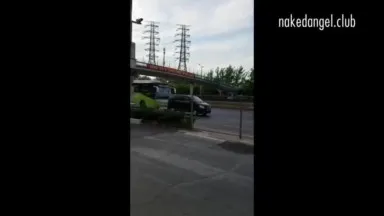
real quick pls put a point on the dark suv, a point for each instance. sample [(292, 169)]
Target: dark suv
[(183, 103)]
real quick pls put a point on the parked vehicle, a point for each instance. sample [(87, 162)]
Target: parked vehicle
[(182, 103)]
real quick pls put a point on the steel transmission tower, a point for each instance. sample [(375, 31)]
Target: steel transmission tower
[(183, 48), (152, 33)]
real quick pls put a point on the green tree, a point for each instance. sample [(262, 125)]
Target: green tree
[(210, 75), (239, 76), (249, 83), (228, 75), (235, 76)]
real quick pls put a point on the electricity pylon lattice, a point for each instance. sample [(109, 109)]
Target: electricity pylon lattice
[(152, 32), (182, 50)]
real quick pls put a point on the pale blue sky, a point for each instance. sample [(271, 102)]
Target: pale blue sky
[(221, 30)]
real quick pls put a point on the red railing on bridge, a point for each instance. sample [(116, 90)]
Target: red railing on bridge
[(165, 69), (175, 72)]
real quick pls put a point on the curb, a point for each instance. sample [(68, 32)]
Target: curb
[(231, 107), (199, 129), (136, 121), (207, 135), (230, 102)]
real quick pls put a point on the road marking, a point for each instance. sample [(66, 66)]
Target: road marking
[(231, 126), (223, 132), (154, 138), (204, 136)]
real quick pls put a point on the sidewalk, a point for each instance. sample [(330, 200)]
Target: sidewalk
[(135, 121), (173, 173)]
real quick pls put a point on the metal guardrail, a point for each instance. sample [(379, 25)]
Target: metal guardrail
[(225, 98)]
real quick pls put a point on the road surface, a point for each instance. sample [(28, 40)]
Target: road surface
[(174, 174), (227, 120)]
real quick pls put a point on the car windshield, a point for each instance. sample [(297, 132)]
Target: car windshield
[(197, 99)]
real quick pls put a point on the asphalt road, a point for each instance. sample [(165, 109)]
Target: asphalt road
[(174, 174), (228, 120)]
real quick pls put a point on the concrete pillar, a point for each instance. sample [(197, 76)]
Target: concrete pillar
[(131, 86), (133, 55), (133, 66), (191, 94)]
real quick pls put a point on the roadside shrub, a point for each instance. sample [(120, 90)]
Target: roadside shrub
[(145, 114), (167, 117)]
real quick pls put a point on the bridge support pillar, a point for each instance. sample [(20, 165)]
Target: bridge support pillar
[(132, 65), (133, 55), (131, 79), (130, 85), (191, 86)]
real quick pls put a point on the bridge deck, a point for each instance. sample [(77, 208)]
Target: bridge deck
[(175, 76)]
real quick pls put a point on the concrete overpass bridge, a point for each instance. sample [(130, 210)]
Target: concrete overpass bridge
[(143, 68)]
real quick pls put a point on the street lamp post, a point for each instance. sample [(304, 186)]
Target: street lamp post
[(137, 21), (132, 54), (201, 74), (201, 69)]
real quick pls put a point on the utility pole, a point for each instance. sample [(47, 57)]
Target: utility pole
[(131, 78), (201, 69), (153, 41), (164, 57), (133, 51), (201, 75), (183, 49)]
